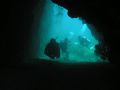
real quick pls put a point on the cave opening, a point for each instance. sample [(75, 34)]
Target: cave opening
[(56, 23)]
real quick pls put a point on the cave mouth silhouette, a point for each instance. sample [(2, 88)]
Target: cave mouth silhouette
[(56, 23)]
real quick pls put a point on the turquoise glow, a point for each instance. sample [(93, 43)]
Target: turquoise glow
[(57, 24)]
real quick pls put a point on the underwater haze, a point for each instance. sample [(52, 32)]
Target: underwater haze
[(56, 23)]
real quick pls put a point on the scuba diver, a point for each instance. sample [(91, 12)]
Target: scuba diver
[(84, 41), (64, 48), (102, 50), (52, 49)]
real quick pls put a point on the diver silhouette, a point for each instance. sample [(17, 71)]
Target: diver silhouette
[(52, 49), (64, 48), (102, 50), (84, 41)]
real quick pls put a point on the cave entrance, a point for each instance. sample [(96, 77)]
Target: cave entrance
[(56, 23)]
